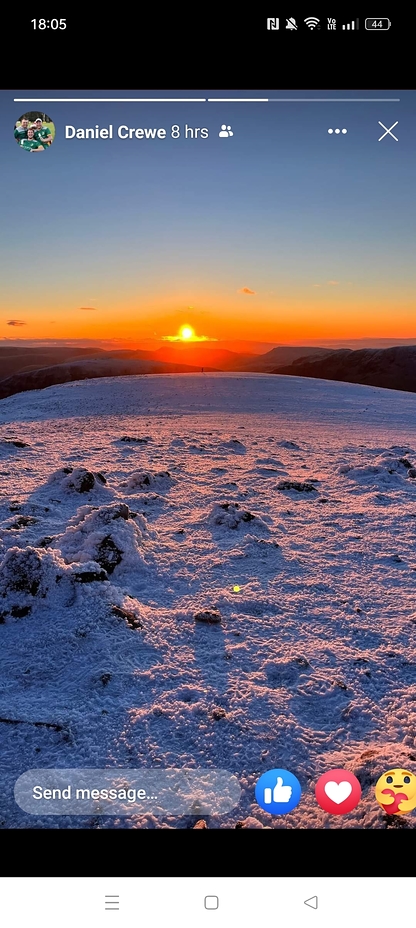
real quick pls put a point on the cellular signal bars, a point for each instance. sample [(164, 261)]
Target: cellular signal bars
[(353, 25)]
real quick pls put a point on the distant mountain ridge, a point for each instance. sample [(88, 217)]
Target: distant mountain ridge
[(392, 368), (14, 360)]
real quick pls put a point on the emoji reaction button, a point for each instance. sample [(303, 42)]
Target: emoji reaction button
[(396, 791), (338, 791), (278, 791)]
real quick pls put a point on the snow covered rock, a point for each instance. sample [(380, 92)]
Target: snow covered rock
[(108, 554), (385, 470), (129, 615), (290, 445), (15, 442), (249, 822), (107, 536), (89, 574), (145, 480), (299, 486), (26, 574), (21, 522), (218, 713), (78, 480), (21, 571), (230, 515), (209, 617), (406, 463), (131, 439)]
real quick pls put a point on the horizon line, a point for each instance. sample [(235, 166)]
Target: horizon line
[(206, 339)]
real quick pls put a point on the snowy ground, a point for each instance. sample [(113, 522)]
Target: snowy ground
[(110, 547)]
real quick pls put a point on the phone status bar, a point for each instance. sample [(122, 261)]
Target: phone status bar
[(329, 24)]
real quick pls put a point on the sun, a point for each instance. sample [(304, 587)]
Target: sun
[(186, 333)]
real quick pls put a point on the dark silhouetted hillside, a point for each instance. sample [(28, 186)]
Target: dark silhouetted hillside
[(85, 370), (393, 368), (286, 354), (16, 359)]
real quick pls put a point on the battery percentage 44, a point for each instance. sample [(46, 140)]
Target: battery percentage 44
[(377, 25)]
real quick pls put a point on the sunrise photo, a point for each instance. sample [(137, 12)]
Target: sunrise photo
[(208, 454)]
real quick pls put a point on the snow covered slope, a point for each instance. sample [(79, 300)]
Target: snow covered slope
[(129, 506)]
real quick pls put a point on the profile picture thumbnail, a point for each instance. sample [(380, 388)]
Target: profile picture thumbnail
[(34, 131)]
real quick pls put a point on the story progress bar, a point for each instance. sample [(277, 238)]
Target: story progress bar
[(206, 100)]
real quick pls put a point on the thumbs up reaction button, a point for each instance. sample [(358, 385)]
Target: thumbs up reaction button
[(278, 791)]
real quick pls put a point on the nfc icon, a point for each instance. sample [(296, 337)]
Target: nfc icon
[(273, 23)]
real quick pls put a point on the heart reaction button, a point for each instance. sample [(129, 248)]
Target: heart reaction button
[(338, 791)]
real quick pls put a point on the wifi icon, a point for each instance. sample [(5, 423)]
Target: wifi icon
[(312, 22)]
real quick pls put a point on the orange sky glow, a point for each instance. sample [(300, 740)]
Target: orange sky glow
[(324, 309)]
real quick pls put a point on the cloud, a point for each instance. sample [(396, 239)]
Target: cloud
[(15, 322), (47, 342), (247, 291), (331, 283), (88, 309)]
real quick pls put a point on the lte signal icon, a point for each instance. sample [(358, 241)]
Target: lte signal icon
[(273, 23), (332, 24)]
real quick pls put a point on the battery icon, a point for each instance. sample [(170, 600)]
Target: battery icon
[(377, 25)]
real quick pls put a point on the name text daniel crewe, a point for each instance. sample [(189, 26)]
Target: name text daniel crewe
[(126, 132)]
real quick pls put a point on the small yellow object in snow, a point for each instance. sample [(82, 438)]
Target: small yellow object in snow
[(236, 589)]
